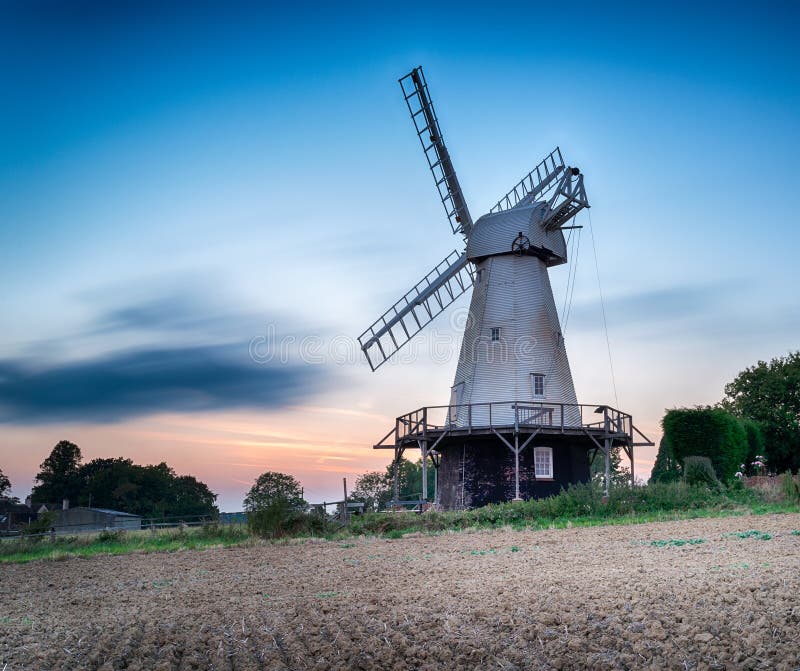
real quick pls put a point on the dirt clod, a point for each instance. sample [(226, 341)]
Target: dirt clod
[(599, 598)]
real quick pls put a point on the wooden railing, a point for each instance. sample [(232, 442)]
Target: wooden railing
[(512, 414)]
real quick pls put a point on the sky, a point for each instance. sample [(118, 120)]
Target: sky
[(202, 205)]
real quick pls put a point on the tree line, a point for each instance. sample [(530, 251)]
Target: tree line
[(118, 484)]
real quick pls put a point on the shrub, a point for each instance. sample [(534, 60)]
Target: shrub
[(790, 488), (699, 472), (111, 536), (41, 525), (707, 432), (280, 519)]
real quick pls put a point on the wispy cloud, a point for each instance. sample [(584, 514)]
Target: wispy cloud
[(725, 312)]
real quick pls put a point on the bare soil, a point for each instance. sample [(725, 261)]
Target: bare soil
[(614, 597)]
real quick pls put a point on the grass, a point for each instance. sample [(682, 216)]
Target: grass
[(579, 506), (89, 545), (582, 506)]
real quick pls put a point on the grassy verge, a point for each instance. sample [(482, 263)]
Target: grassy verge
[(121, 542), (579, 506), (582, 505)]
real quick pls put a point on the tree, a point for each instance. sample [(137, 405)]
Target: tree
[(272, 487), (620, 475), (5, 485), (373, 489), (58, 478), (756, 445), (150, 491), (666, 468), (189, 496), (769, 393), (376, 488), (707, 432)]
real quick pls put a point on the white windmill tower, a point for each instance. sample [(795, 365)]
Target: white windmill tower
[(513, 378)]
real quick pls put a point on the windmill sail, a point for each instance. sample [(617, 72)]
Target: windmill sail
[(418, 308), (568, 199), (551, 180), (420, 106), (535, 184)]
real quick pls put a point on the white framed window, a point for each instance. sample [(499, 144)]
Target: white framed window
[(543, 462), (495, 333), (537, 384)]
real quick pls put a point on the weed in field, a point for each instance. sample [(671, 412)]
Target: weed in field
[(344, 546), (483, 552), (514, 548), (795, 533), (327, 595), (758, 535), (676, 542)]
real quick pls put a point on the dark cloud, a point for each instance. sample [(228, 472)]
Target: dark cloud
[(181, 351), (132, 383)]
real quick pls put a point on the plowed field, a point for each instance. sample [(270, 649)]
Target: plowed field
[(700, 594)]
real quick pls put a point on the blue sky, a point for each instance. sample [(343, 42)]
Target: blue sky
[(173, 180)]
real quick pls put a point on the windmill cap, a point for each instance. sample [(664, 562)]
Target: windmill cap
[(494, 233)]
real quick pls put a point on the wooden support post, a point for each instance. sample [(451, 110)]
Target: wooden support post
[(607, 450), (424, 446), (516, 467), (633, 477), (344, 503), (396, 477), (435, 482)]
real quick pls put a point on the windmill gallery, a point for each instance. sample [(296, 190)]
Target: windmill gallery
[(513, 427)]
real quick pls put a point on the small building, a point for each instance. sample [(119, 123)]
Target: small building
[(81, 520)]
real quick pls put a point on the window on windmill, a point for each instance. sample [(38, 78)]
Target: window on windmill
[(543, 462), (537, 384), (495, 333), (479, 276)]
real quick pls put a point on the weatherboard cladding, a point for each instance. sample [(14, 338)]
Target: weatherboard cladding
[(513, 294)]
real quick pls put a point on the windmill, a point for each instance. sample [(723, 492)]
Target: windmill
[(513, 387)]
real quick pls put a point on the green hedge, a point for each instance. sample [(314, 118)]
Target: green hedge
[(756, 445), (707, 432), (666, 467)]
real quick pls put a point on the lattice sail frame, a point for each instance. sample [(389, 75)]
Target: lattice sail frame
[(551, 179), (426, 124), (426, 300)]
